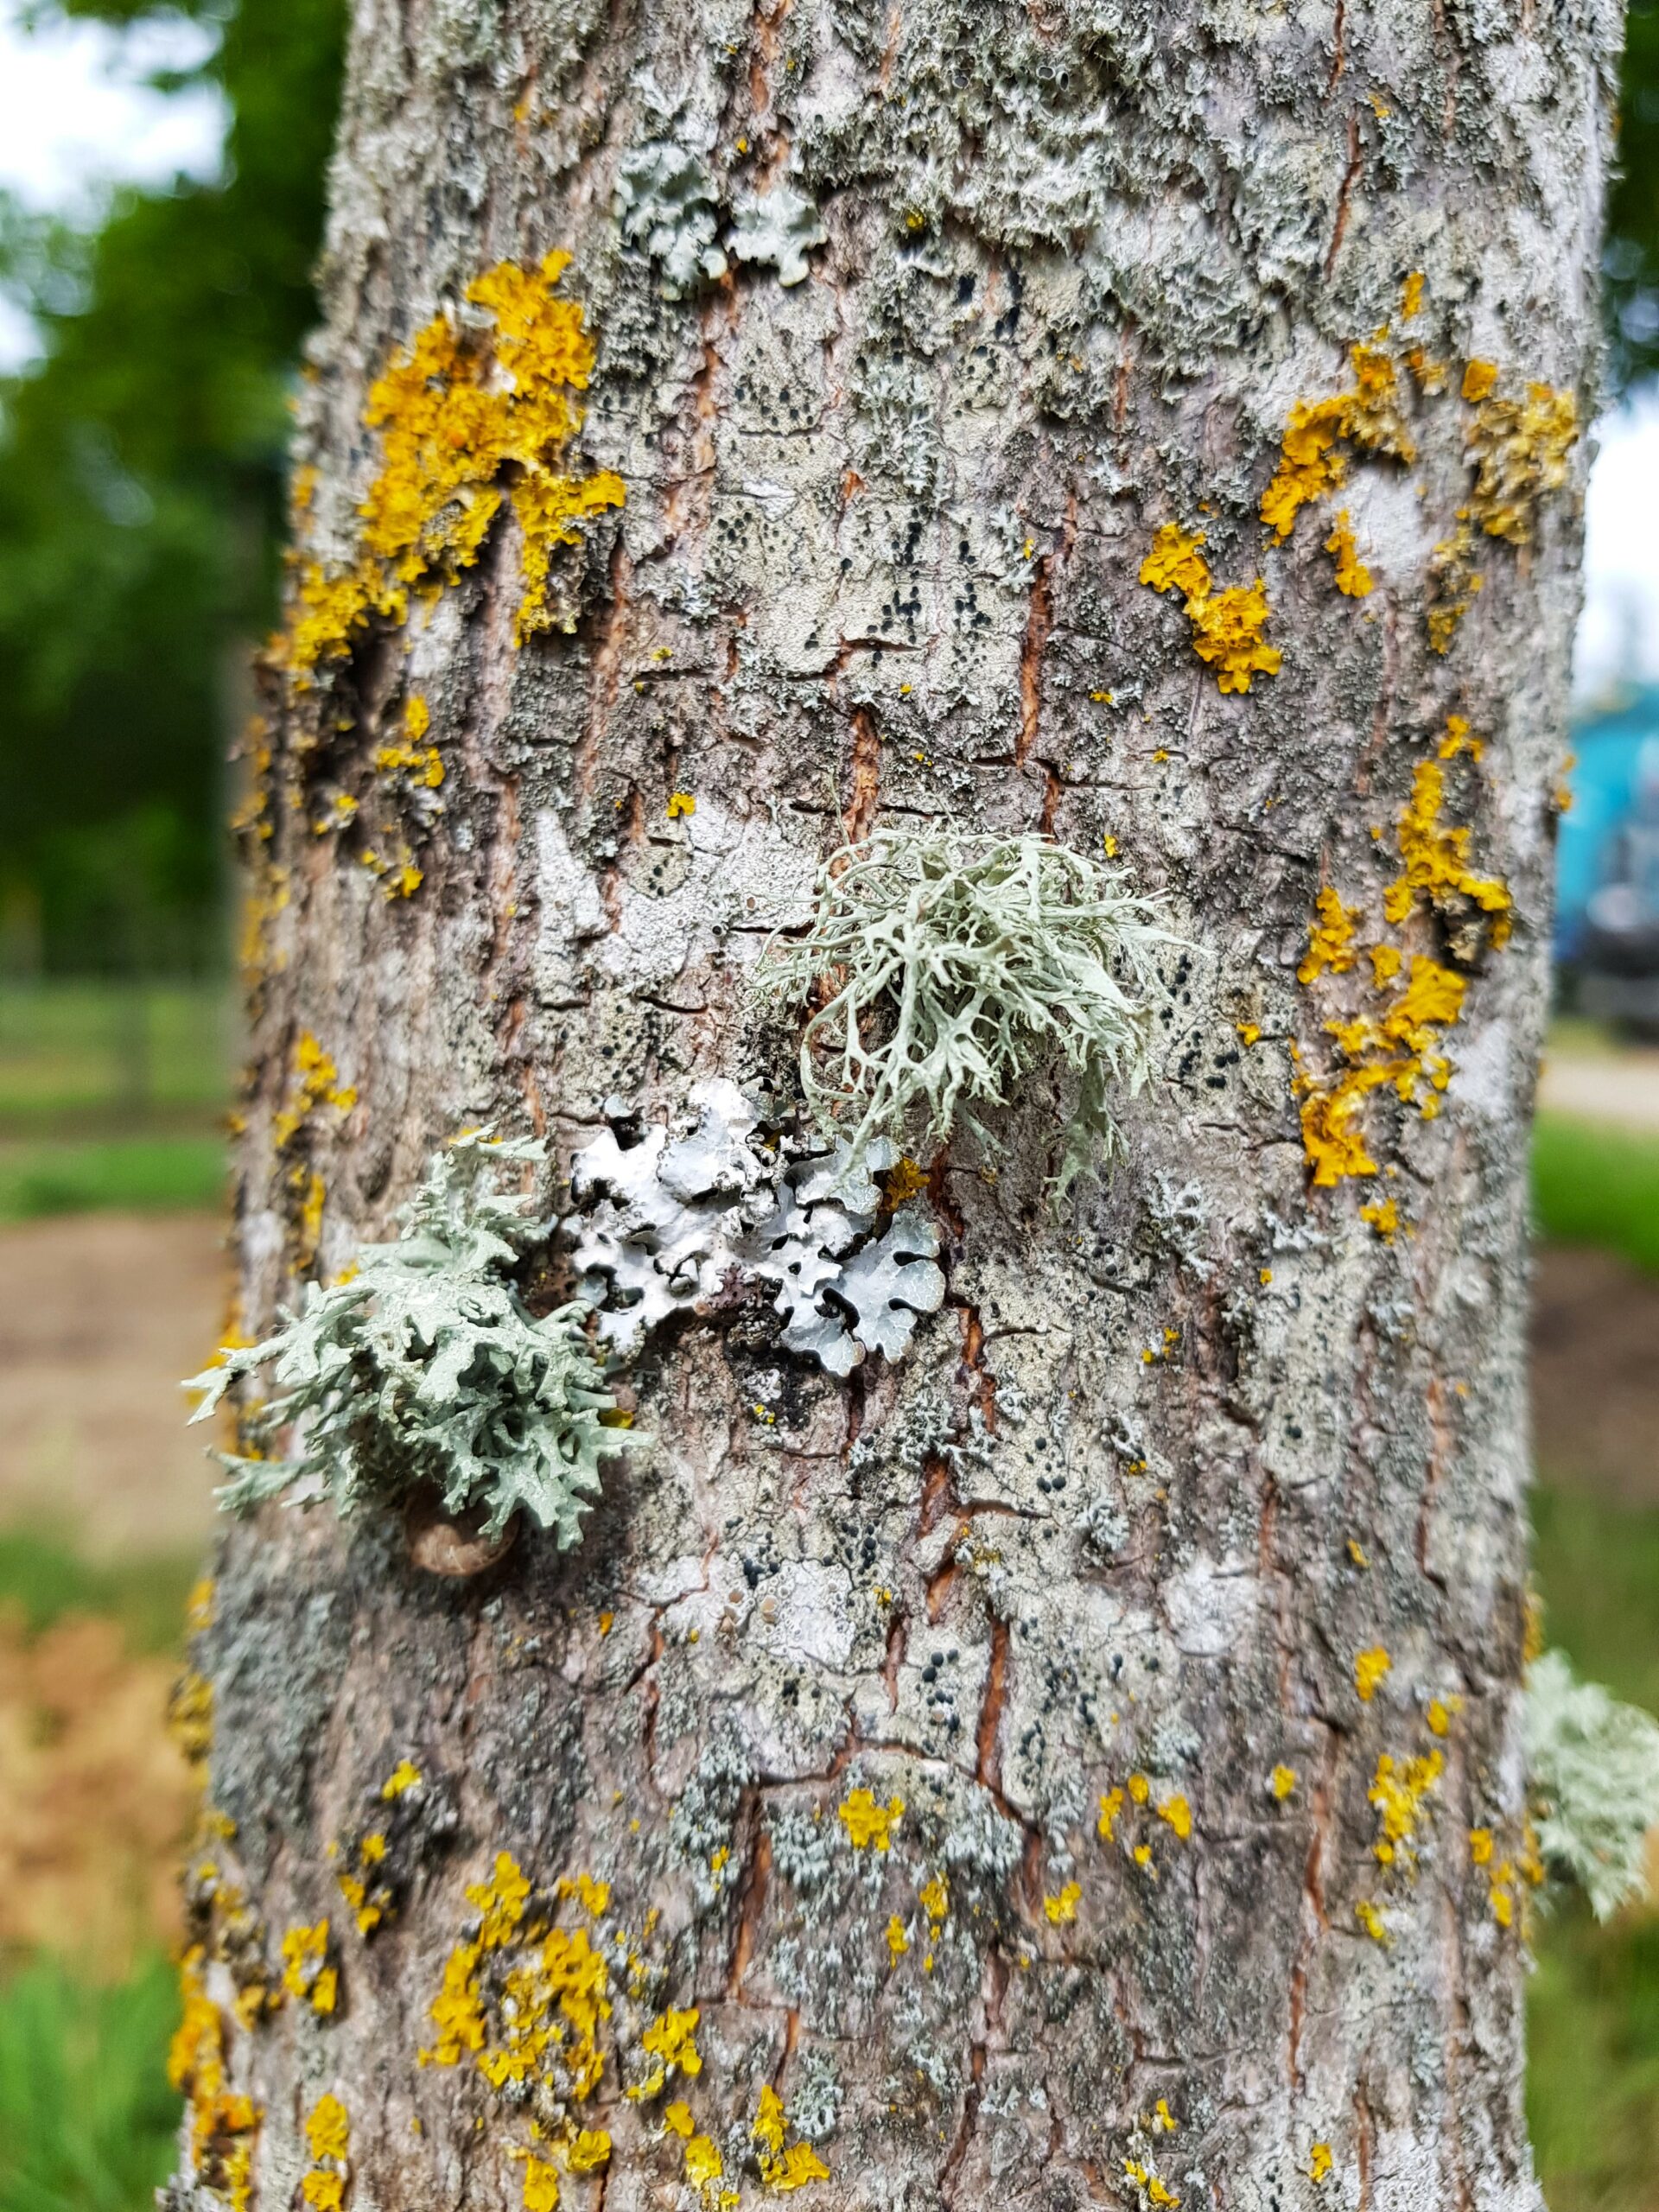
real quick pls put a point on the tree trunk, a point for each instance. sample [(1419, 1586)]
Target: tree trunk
[(949, 354)]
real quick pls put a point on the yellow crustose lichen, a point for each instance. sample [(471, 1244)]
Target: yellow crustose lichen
[(328, 2135), (466, 420), (1395, 1045), (1227, 625), (223, 2123), (1398, 1790), (1312, 458), (1519, 447)]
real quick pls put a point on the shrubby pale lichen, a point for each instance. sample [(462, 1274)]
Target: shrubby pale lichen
[(1595, 1778), (961, 962), (425, 1366)]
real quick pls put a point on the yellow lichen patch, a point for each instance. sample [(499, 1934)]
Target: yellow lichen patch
[(1479, 380), (541, 2184), (1398, 1789), (588, 2149), (680, 803), (307, 1973), (1371, 1921), (316, 1083), (1397, 1047), (1283, 1781), (1227, 625), (1140, 1788), (594, 1897), (1520, 450), (702, 2162), (770, 2124), (190, 1716), (1148, 2182), (1177, 1814), (1435, 859), (1370, 1670), (466, 420), (327, 2137), (671, 2041), (1312, 461), (1453, 581), (1411, 295), (403, 1777), (1383, 1215), (419, 764), (1440, 1713), (1319, 2162), (1176, 562), (868, 1823), (677, 2118), (1110, 1806), (1164, 2121), (1062, 1910), (1226, 635), (800, 2165), (222, 2122), (1330, 940), (1353, 577), (897, 1942)]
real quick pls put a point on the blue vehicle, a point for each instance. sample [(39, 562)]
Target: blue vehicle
[(1607, 876)]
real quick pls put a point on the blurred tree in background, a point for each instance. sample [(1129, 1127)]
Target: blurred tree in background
[(140, 480), (141, 470)]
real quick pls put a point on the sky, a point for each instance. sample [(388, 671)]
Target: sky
[(76, 118)]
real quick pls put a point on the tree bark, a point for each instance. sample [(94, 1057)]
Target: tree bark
[(1208, 1490)]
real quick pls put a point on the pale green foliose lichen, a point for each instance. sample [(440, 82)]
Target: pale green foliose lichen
[(1594, 1765), (425, 1366), (960, 964)]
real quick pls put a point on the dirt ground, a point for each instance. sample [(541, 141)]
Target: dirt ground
[(101, 1317), (101, 1314), (1595, 1374)]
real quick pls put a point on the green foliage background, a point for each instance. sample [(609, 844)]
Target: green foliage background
[(141, 500)]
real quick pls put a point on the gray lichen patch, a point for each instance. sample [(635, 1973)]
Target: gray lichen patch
[(664, 1228)]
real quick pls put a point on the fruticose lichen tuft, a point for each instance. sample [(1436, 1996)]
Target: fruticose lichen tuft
[(425, 1367), (959, 964), (1595, 1780)]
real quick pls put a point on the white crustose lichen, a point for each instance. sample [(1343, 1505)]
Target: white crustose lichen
[(425, 1367), (956, 964)]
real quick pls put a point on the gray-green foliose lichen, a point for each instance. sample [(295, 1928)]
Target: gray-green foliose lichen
[(425, 1367)]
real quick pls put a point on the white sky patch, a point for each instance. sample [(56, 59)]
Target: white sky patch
[(77, 119), (1618, 637)]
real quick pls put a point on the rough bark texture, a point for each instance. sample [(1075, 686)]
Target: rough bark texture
[(1163, 1468)]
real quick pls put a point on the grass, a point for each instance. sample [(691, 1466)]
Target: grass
[(87, 2119), (109, 1096), (1595, 1184), (1593, 2087), (43, 1577), (146, 1174), (76, 1050)]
